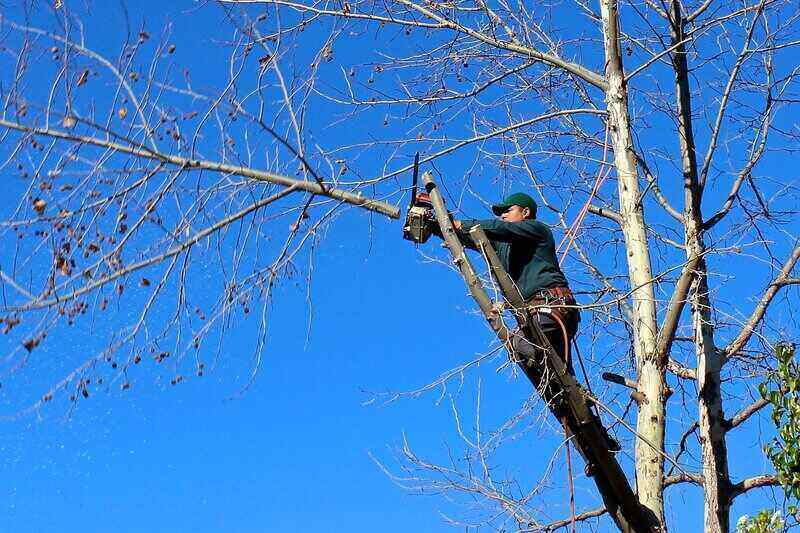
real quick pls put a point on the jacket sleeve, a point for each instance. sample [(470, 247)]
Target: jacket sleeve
[(500, 231), (462, 234)]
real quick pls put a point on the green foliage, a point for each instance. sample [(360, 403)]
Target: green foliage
[(782, 391), (763, 522)]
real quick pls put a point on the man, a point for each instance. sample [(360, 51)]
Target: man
[(527, 251)]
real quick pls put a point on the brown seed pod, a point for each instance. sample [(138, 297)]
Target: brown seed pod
[(39, 205)]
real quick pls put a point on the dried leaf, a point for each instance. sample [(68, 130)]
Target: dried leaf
[(39, 205), (30, 344), (123, 112), (69, 122), (83, 77)]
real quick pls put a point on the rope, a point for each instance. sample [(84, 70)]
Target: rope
[(567, 432), (564, 334), (572, 232), (583, 369), (567, 353)]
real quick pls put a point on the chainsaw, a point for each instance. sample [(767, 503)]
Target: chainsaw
[(419, 218)]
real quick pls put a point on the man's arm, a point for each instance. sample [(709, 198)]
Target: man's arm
[(463, 236), (500, 231)]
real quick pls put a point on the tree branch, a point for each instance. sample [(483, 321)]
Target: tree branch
[(679, 370), (652, 184), (605, 212), (579, 70), (443, 23), (684, 477), (745, 413), (558, 524), (758, 148), (766, 480), (743, 55), (761, 309), (175, 250), (356, 199), (677, 302)]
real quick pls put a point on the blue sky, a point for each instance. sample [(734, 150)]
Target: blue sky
[(299, 449)]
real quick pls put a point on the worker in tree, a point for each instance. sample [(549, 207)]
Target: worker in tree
[(527, 251)]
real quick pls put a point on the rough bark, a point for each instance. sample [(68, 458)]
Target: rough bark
[(711, 419), (651, 370)]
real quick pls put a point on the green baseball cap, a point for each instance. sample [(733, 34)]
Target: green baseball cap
[(518, 198)]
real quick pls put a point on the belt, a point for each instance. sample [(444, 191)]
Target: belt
[(553, 293), (542, 299)]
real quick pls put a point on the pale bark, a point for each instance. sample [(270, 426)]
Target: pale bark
[(711, 418), (651, 376)]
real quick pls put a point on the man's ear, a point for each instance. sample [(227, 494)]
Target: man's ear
[(526, 212)]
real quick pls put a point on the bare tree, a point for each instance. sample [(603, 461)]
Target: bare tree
[(129, 180), (686, 106)]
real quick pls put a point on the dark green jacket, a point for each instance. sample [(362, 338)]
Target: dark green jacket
[(526, 249)]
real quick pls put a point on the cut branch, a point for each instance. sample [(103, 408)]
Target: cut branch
[(348, 197), (605, 212), (680, 370)]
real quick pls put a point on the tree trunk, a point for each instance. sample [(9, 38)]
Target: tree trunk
[(716, 516), (651, 379)]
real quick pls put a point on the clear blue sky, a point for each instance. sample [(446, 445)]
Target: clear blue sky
[(296, 451)]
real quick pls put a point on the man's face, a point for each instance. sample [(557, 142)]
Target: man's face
[(515, 213)]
